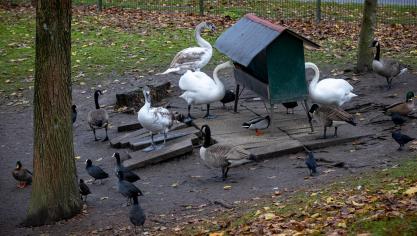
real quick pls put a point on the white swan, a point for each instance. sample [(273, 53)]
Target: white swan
[(154, 119), (193, 58), (201, 89), (329, 91)]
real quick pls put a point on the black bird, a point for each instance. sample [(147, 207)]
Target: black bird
[(127, 174), (84, 190), (397, 118), (74, 113), (126, 188), (290, 105), (136, 214), (401, 139), (229, 96), (311, 163), (95, 171), (22, 175)]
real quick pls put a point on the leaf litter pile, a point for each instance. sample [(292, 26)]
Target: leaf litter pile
[(339, 36)]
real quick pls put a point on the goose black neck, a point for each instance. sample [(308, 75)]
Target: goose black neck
[(96, 100), (378, 49), (207, 137), (135, 200), (118, 160)]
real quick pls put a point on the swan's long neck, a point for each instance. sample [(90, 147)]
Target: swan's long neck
[(200, 41), (216, 71), (378, 49), (315, 80), (147, 104)]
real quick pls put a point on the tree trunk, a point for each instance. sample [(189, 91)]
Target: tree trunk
[(366, 36), (55, 193)]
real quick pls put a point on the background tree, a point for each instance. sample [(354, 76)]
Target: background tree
[(54, 193), (366, 36)]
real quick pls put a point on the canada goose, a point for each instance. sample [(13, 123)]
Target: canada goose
[(402, 108), (22, 175), (401, 139), (84, 190), (221, 155), (329, 91), (95, 171), (128, 175), (74, 113), (126, 188), (331, 117), (387, 68), (290, 105), (199, 88), (98, 118), (258, 123), (154, 119), (311, 163), (193, 58), (136, 214)]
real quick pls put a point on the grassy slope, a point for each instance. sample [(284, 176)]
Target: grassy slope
[(378, 207)]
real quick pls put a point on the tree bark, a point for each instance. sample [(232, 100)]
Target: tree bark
[(55, 193), (366, 36)]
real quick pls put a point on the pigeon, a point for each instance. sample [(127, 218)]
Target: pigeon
[(74, 113), (229, 96), (136, 214), (401, 139), (290, 105), (397, 118), (127, 174), (22, 175), (311, 163), (95, 171), (126, 188), (84, 190)]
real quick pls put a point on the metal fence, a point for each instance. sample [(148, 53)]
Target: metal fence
[(389, 11)]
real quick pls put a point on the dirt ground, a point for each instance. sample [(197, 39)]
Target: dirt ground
[(183, 190)]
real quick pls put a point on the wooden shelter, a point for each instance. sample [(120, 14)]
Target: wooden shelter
[(269, 59)]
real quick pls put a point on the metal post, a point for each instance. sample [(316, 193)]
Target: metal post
[(318, 11), (201, 5), (99, 5), (236, 98)]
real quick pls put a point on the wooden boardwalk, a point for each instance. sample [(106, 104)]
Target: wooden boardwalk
[(288, 133)]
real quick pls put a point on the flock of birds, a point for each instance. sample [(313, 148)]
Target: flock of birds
[(328, 95)]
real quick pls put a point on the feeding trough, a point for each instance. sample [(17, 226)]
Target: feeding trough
[(269, 60)]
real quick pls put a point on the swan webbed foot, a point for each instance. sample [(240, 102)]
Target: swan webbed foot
[(210, 117)]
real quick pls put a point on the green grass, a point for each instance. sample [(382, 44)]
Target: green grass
[(97, 51)]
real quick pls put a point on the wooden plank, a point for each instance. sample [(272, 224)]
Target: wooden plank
[(129, 127), (277, 149), (144, 142), (330, 141), (124, 140), (177, 148), (117, 142)]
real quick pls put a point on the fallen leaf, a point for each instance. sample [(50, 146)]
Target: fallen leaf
[(104, 198), (221, 233), (411, 191), (77, 157), (227, 187)]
